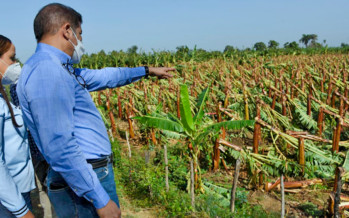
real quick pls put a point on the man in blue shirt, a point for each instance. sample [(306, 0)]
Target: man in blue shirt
[(63, 119)]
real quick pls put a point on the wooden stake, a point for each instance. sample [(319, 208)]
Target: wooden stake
[(192, 192), (166, 168), (178, 103), (235, 183), (282, 196)]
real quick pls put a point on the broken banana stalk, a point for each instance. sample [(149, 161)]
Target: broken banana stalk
[(228, 144), (292, 185)]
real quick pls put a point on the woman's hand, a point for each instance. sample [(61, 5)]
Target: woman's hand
[(29, 215)]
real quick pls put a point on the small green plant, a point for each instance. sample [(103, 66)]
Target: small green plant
[(311, 210)]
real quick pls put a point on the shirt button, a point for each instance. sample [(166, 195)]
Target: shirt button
[(91, 201), (75, 190)]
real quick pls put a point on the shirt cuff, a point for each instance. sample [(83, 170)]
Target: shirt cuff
[(98, 197), (138, 72), (22, 211)]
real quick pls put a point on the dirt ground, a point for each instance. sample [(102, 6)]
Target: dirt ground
[(307, 202), (130, 211)]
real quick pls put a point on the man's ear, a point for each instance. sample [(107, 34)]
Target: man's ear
[(66, 31)]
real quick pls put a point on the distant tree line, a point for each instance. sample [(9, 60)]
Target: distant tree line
[(309, 41)]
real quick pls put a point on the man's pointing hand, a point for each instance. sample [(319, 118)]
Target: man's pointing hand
[(161, 72)]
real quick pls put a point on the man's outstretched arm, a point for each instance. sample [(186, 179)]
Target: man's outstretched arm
[(115, 77)]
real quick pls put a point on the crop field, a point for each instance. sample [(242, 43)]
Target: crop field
[(249, 134)]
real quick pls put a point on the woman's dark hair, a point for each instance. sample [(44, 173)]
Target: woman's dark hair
[(51, 17), (5, 45)]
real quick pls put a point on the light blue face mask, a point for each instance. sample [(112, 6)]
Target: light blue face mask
[(12, 73), (79, 50)]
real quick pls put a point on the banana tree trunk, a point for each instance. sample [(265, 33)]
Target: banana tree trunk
[(153, 138), (111, 115), (217, 152), (274, 101), (216, 156), (283, 102), (337, 131), (119, 106), (247, 116), (132, 134), (309, 105), (293, 185), (337, 190), (329, 90), (301, 151), (99, 98), (333, 100), (320, 121), (257, 132)]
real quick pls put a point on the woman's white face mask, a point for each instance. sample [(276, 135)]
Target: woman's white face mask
[(12, 73), (79, 49)]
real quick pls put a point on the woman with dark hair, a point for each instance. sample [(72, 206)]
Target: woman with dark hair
[(16, 168)]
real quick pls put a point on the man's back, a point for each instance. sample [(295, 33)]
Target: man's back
[(88, 128)]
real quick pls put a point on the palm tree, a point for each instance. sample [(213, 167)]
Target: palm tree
[(305, 39), (193, 129), (313, 37)]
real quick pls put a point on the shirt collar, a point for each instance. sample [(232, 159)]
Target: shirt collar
[(63, 57)]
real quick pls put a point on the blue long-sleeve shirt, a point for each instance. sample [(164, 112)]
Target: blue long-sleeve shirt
[(16, 168), (63, 119)]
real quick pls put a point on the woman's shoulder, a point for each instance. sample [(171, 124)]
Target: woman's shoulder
[(3, 107), (4, 110)]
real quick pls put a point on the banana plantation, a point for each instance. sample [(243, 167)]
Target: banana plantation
[(274, 123)]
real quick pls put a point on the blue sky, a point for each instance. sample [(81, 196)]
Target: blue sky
[(166, 24)]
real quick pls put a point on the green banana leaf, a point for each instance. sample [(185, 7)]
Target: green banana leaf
[(201, 103), (187, 118), (160, 123), (230, 125)]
